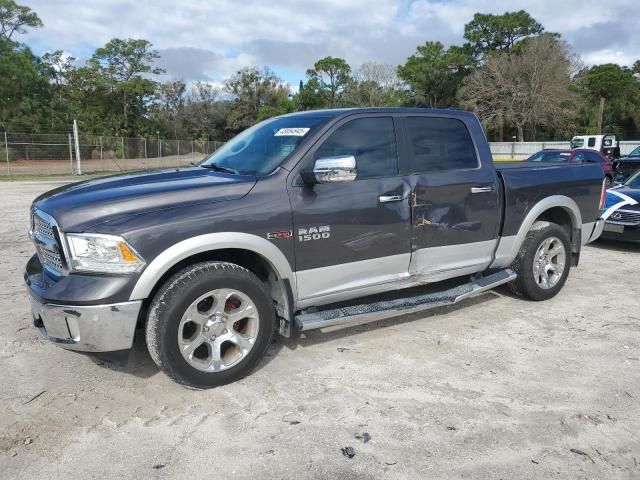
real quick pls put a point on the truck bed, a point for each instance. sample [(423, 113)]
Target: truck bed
[(525, 183)]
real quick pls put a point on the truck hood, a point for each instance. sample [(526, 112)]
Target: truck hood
[(79, 206)]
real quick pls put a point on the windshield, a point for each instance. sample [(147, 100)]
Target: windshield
[(635, 152), (550, 156), (633, 181), (262, 148)]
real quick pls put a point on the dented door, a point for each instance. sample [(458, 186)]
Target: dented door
[(454, 199)]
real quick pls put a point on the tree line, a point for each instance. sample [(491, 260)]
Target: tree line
[(522, 81)]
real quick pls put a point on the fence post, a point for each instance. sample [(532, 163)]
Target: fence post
[(145, 147), (77, 140), (192, 150), (6, 151), (124, 162), (178, 150), (70, 154)]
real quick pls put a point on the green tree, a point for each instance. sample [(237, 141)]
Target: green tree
[(490, 33), (58, 67), (253, 90), (91, 99), (375, 85), (16, 19), (328, 79), (612, 97), (169, 106), (125, 65), (24, 87), (434, 74)]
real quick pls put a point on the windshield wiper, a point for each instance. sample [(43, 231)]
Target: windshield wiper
[(220, 168)]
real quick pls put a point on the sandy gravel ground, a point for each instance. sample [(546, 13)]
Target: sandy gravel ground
[(494, 388)]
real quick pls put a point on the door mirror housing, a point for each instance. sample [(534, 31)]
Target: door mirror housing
[(338, 169)]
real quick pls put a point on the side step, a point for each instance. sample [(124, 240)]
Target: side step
[(371, 312)]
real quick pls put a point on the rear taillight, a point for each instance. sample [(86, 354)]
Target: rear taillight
[(603, 194)]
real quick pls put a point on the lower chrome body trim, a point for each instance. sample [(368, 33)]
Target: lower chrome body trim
[(386, 309)]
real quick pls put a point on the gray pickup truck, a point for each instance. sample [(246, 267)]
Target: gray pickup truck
[(303, 221)]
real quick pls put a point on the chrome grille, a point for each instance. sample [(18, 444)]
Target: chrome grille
[(44, 237), (625, 217), (42, 228), (51, 259)]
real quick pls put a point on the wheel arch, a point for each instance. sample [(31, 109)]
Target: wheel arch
[(249, 251), (558, 209)]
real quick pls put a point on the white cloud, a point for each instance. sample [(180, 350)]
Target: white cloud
[(609, 56), (210, 40)]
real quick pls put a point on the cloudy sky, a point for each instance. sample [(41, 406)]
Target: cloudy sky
[(210, 39)]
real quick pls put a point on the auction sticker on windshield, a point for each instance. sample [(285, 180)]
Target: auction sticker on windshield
[(291, 132)]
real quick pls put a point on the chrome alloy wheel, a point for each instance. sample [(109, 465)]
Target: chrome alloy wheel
[(549, 262), (218, 330)]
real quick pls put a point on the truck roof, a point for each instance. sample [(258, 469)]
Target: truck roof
[(338, 112)]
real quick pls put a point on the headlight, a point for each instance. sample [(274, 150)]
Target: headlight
[(102, 253)]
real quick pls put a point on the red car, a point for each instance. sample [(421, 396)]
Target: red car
[(579, 155)]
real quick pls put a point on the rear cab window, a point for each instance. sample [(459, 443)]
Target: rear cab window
[(437, 144)]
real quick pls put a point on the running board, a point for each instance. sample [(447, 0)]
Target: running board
[(371, 312)]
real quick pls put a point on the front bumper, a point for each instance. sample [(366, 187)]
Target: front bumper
[(95, 328), (631, 233)]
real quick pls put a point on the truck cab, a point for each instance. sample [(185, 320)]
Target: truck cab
[(606, 144)]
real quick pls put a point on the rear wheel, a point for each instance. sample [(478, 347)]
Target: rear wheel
[(210, 324), (543, 262)]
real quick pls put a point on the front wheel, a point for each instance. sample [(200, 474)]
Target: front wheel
[(543, 262), (210, 324)]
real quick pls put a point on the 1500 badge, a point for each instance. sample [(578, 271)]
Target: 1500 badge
[(314, 233)]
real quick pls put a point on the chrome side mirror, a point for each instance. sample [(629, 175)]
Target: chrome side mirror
[(341, 168)]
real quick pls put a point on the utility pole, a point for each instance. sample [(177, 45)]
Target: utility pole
[(600, 115), (77, 142)]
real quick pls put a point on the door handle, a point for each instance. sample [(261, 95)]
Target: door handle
[(390, 198), (482, 189)]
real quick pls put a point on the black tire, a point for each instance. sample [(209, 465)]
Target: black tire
[(177, 294), (609, 181), (525, 285)]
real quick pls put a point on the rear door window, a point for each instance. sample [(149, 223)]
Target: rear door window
[(438, 144), (592, 142)]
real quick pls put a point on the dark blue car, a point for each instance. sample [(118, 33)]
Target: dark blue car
[(622, 214)]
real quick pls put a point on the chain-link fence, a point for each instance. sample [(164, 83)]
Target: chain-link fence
[(56, 154)]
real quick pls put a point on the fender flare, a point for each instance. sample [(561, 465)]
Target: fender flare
[(152, 274), (508, 247)]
